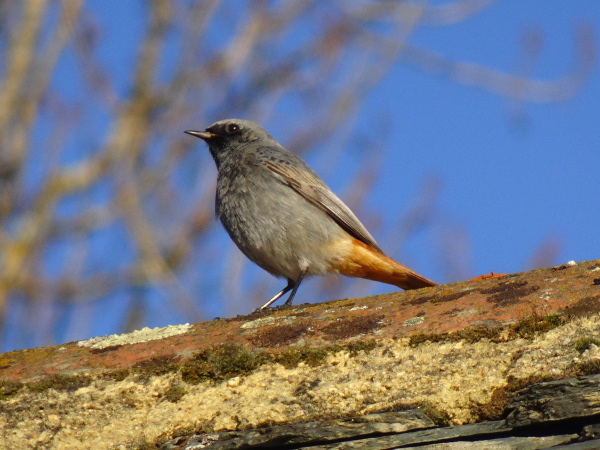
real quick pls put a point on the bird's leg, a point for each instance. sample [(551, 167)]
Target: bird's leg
[(288, 302), (281, 293), (292, 285)]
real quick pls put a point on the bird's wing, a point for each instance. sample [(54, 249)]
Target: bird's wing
[(309, 185)]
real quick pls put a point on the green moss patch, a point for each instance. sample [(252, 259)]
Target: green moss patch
[(585, 343), (526, 328), (174, 393), (60, 382), (220, 363), (9, 388), (231, 360)]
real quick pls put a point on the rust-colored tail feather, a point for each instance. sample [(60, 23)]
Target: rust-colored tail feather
[(364, 261)]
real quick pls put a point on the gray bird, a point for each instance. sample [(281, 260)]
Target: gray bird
[(284, 218)]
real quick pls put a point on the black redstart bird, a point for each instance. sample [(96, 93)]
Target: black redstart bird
[(283, 216)]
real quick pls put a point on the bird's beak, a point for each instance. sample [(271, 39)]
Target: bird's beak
[(201, 134)]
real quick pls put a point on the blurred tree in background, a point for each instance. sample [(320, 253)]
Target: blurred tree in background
[(102, 196)]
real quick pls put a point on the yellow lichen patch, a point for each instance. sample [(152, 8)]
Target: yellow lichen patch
[(455, 382)]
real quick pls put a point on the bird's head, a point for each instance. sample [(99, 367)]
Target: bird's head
[(226, 136)]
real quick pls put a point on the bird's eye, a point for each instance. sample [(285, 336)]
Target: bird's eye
[(232, 128)]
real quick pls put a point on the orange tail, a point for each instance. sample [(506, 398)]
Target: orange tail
[(363, 261)]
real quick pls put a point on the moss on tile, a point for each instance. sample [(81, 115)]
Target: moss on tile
[(9, 388), (584, 343), (174, 393), (231, 360), (60, 382), (526, 328), (220, 363)]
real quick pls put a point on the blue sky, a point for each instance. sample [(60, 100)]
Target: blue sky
[(506, 186), (510, 186)]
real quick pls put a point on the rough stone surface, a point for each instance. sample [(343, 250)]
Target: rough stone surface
[(555, 424), (474, 345), (300, 435), (557, 400)]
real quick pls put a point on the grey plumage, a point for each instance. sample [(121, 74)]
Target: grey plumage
[(276, 209)]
